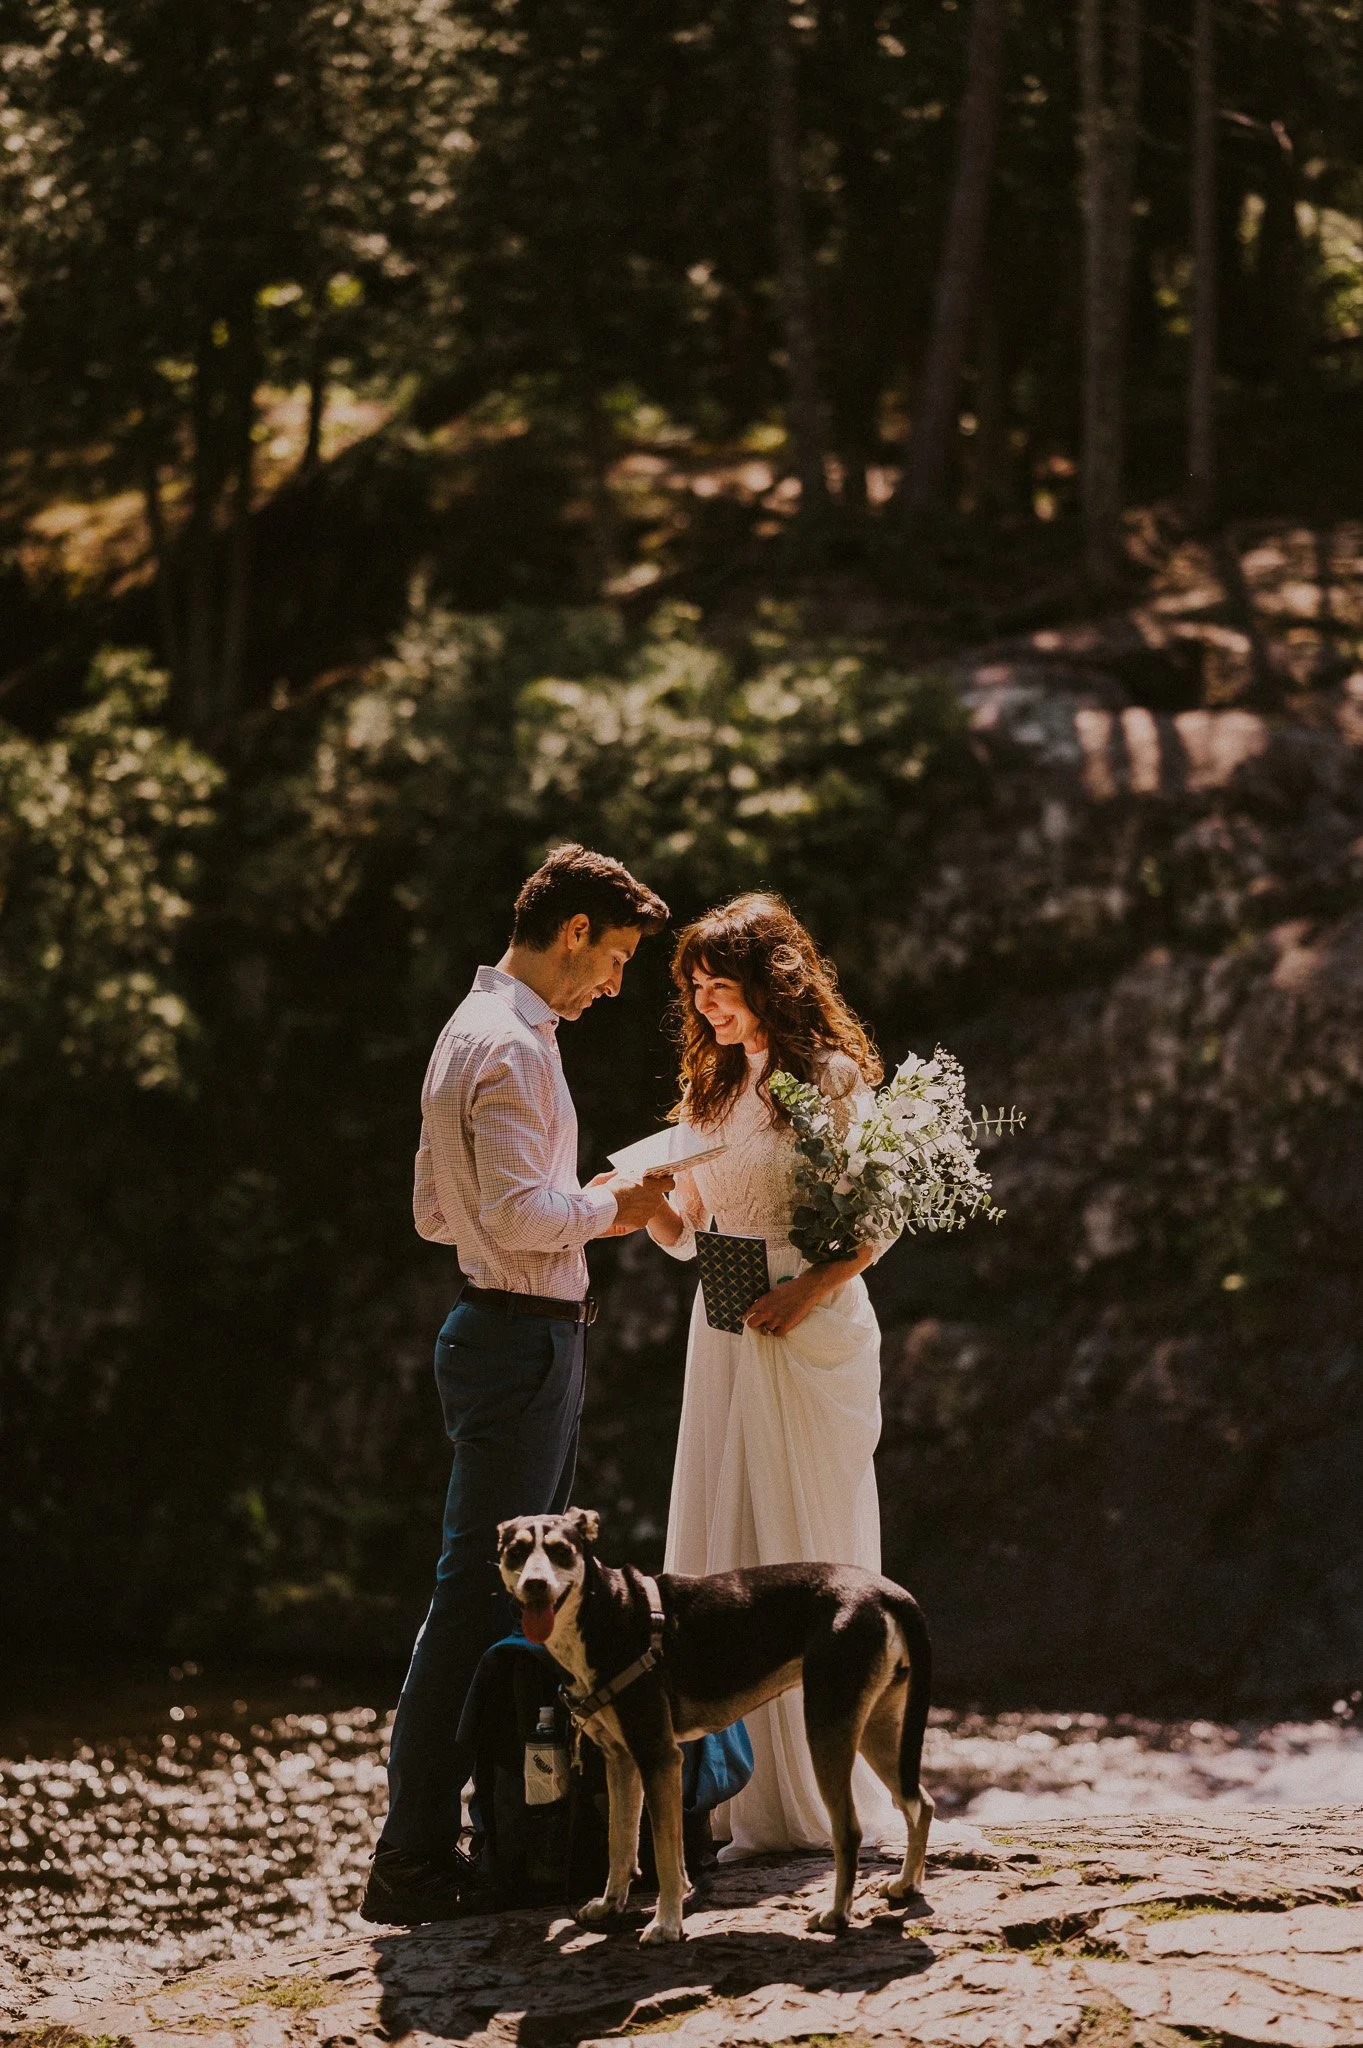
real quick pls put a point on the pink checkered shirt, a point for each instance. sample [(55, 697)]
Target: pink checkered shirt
[(496, 1171)]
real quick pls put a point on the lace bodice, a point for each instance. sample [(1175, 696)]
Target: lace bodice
[(750, 1188)]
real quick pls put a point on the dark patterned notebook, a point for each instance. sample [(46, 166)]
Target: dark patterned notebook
[(733, 1275)]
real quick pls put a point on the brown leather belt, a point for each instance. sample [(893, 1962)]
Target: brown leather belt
[(547, 1306)]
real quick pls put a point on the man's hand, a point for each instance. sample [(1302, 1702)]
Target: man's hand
[(601, 1180), (637, 1202)]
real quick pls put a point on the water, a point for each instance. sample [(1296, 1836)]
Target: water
[(156, 1822), (164, 1822), (1018, 1767)]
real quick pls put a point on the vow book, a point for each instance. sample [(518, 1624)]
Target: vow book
[(667, 1151), (733, 1275)]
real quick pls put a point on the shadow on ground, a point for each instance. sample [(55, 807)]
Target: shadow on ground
[(557, 1984)]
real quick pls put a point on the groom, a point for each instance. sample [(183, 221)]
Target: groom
[(496, 1175)]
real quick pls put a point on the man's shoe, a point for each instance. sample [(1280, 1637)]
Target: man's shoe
[(407, 1890), (698, 1845)]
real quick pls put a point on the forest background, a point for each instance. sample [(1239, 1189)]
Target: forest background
[(902, 452)]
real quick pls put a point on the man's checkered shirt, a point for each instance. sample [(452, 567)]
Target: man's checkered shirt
[(496, 1172)]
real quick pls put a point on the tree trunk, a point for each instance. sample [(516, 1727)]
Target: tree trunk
[(1202, 354), (854, 384), (236, 604), (200, 667), (1108, 143), (169, 624), (317, 399), (806, 416), (991, 454), (600, 449), (1282, 266), (928, 465)]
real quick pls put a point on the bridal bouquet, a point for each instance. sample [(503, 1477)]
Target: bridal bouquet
[(910, 1163)]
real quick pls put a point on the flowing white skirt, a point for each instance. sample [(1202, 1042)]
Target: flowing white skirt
[(774, 1466)]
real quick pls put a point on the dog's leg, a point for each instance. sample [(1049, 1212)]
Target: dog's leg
[(833, 1750), (664, 1793), (916, 1849), (880, 1744), (625, 1789)]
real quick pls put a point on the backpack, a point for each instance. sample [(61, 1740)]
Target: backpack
[(545, 1851), (554, 1850)]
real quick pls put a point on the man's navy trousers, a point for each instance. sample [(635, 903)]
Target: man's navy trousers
[(511, 1391)]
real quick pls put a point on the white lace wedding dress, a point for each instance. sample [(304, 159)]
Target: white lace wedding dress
[(775, 1447)]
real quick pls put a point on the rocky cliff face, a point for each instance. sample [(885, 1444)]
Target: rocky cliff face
[(1123, 1431)]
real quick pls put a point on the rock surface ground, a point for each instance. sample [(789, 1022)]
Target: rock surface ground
[(1099, 1932)]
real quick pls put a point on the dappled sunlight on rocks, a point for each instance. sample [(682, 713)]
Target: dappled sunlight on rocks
[(120, 1858)]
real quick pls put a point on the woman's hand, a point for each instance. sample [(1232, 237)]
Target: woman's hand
[(787, 1304), (665, 1226)]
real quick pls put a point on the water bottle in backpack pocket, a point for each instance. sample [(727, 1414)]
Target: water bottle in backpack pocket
[(547, 1763)]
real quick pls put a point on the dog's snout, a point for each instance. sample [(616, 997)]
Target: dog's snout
[(534, 1586)]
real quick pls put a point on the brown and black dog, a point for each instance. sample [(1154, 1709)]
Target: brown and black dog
[(708, 1650)]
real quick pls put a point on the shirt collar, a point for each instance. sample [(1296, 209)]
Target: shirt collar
[(530, 1008)]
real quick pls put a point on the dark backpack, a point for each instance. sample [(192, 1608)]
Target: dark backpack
[(557, 1852), (550, 1853)]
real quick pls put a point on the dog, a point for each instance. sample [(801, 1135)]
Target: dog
[(656, 1663)]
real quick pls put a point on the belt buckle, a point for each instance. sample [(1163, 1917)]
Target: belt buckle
[(590, 1310)]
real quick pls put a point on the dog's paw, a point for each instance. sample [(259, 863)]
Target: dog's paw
[(659, 1930), (900, 1889), (828, 1922), (595, 1910)]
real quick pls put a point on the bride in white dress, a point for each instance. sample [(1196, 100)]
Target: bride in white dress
[(778, 1424)]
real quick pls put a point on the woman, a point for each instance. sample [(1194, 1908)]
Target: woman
[(778, 1424)]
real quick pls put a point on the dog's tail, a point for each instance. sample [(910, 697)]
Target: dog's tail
[(918, 1643)]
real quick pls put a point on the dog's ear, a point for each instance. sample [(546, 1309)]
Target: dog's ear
[(587, 1523), (504, 1534)]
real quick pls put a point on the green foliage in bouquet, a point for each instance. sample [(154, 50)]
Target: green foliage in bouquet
[(909, 1163)]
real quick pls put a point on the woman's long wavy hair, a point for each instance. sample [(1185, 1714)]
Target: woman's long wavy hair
[(757, 941)]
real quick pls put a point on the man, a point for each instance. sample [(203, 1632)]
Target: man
[(496, 1175)]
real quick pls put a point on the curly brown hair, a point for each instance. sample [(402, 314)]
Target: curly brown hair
[(757, 941)]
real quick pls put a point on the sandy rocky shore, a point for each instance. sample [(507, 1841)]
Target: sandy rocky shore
[(1099, 1931)]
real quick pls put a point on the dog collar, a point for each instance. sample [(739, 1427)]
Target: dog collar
[(586, 1710)]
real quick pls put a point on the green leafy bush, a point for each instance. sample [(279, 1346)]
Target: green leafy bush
[(479, 741), (97, 826)]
